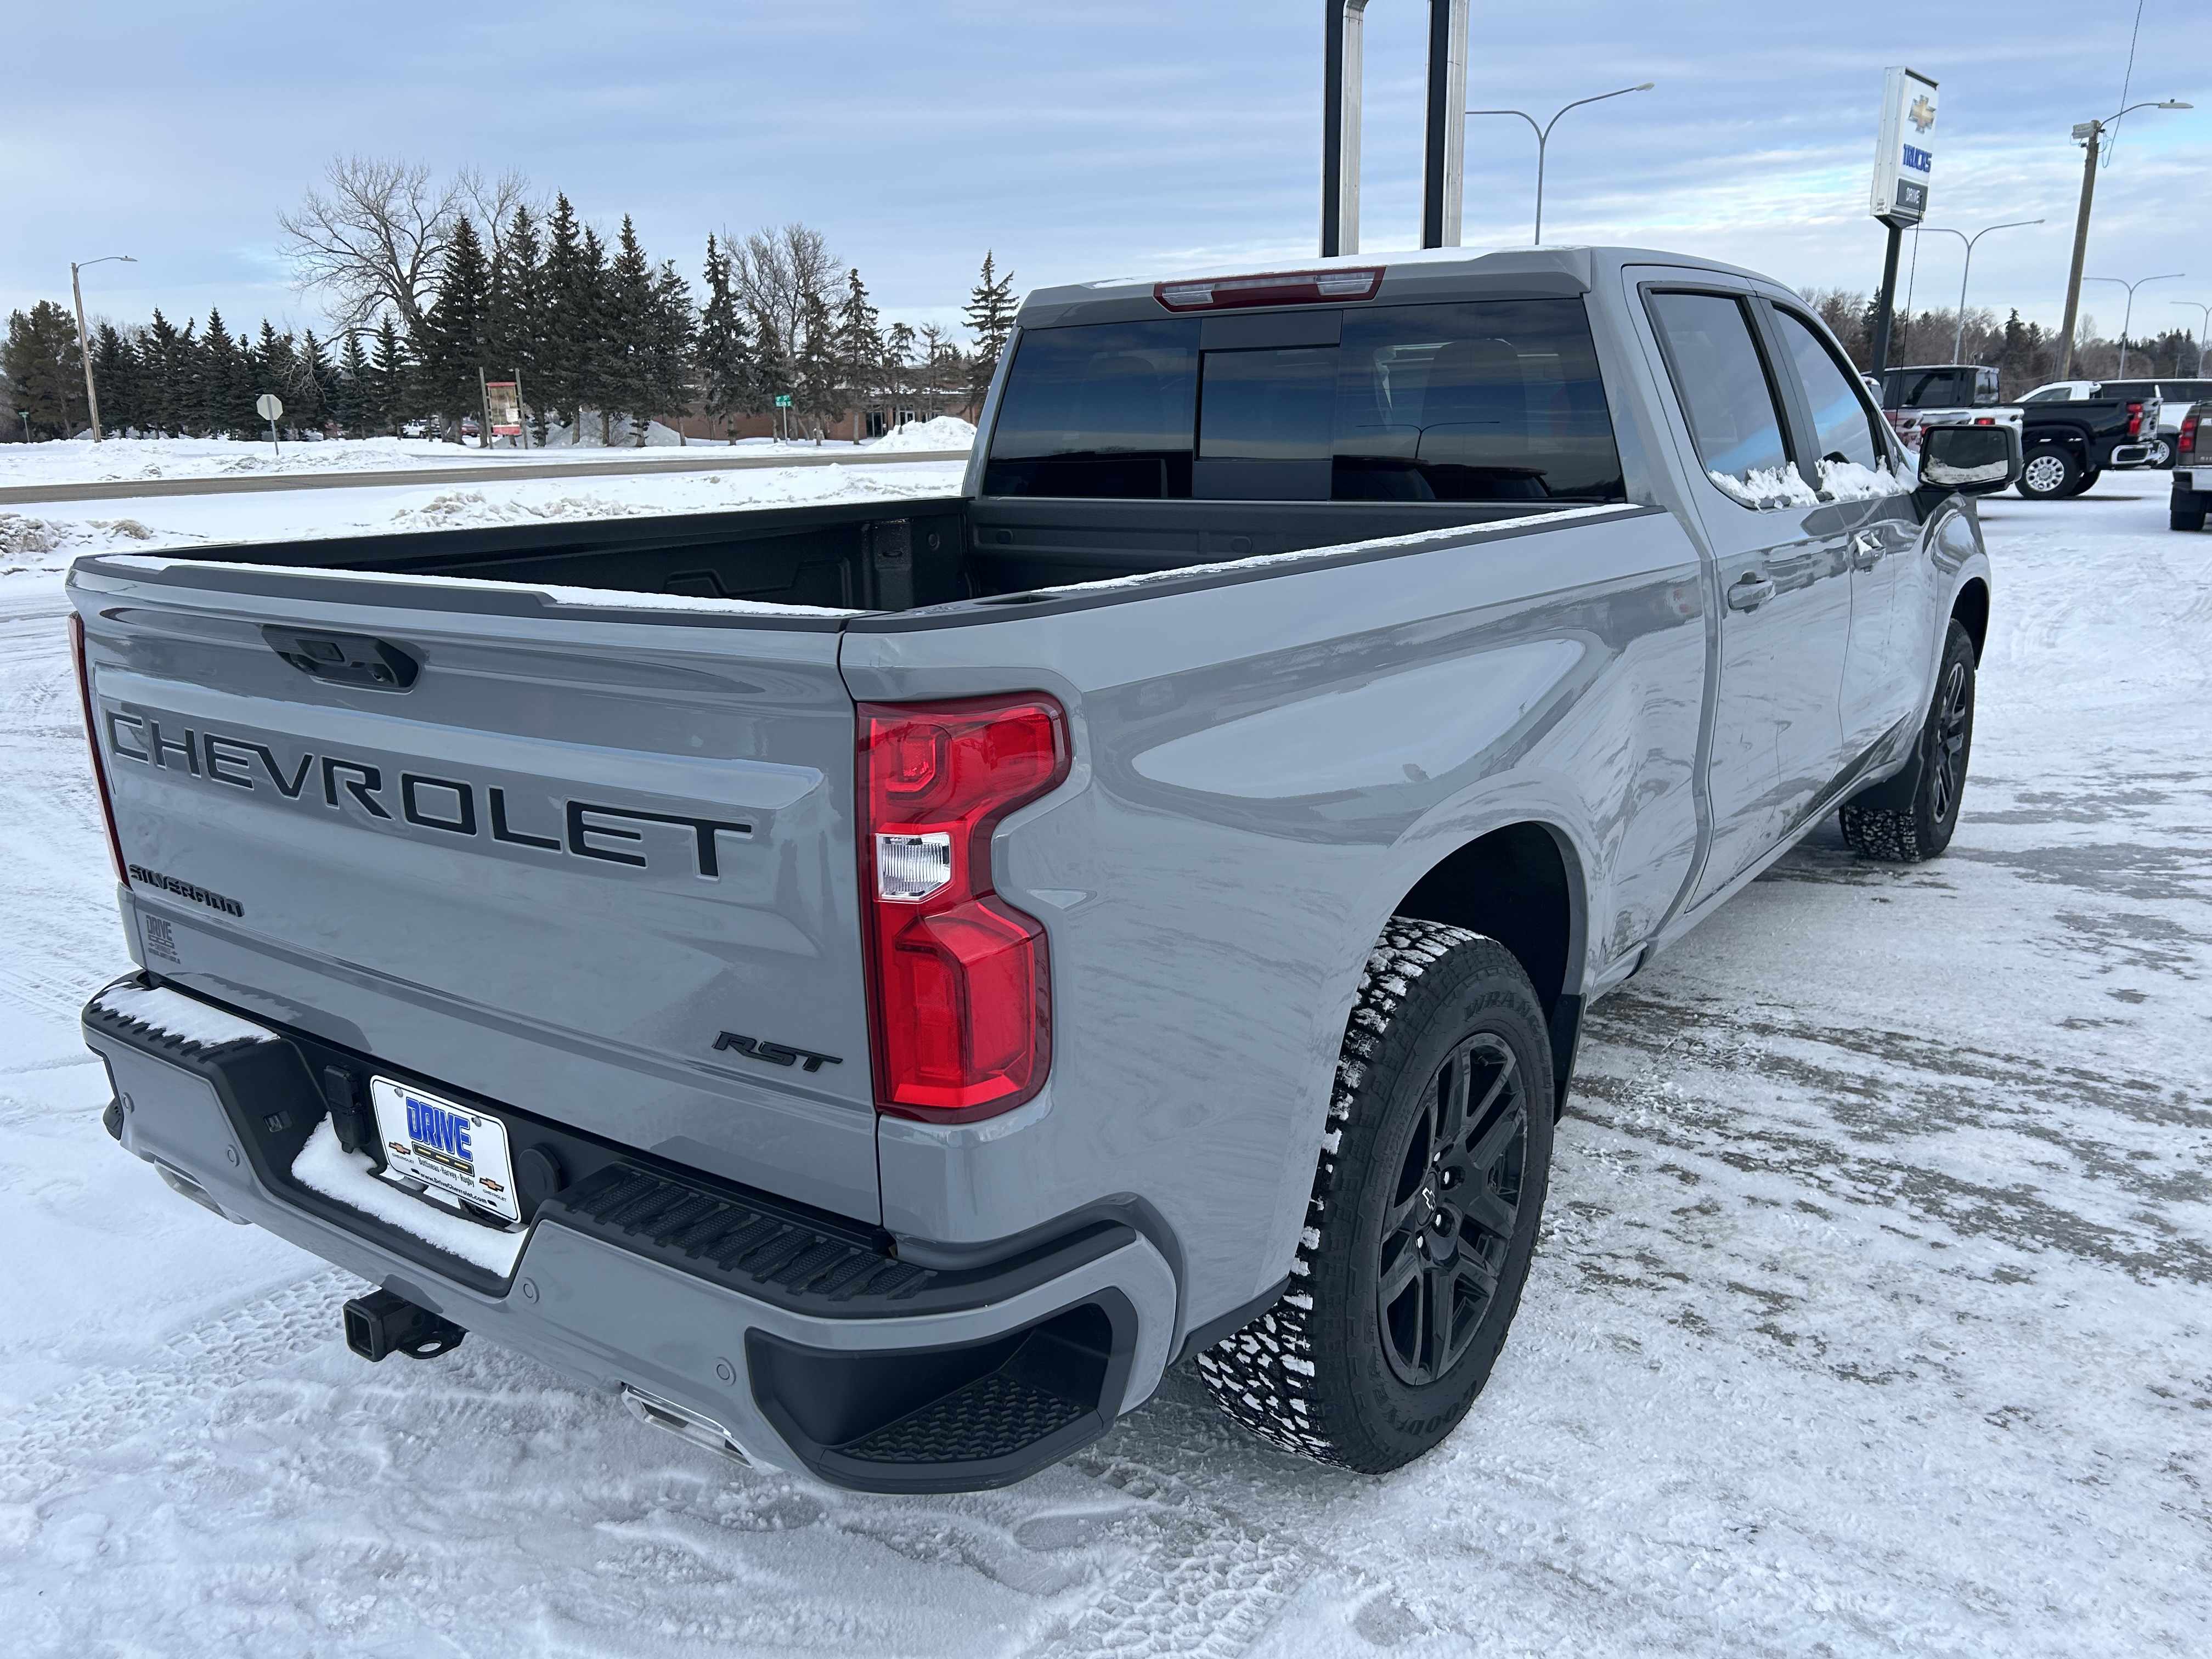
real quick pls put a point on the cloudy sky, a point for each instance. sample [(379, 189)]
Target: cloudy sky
[(1081, 139)]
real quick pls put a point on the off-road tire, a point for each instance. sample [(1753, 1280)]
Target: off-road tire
[(1911, 834), (2050, 475), (1339, 1369)]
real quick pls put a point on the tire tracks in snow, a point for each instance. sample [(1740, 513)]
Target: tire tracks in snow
[(60, 1435)]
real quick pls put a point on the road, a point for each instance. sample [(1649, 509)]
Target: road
[(643, 462), (1870, 1317)]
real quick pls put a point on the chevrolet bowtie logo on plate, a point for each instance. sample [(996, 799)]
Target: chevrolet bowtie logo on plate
[(1921, 114)]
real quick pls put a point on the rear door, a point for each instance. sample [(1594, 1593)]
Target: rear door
[(547, 853), (1785, 593)]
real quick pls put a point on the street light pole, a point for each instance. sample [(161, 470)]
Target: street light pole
[(2128, 316), (2094, 132), (1544, 138), (1959, 340), (84, 341), (2205, 328)]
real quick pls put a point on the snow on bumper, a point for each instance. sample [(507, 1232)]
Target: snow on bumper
[(605, 1292)]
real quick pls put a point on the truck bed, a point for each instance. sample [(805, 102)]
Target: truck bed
[(882, 556)]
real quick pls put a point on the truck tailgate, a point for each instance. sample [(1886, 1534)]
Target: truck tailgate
[(544, 846)]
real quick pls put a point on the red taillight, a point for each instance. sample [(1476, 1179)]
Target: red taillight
[(2135, 420), (1984, 420), (92, 737), (2186, 444), (959, 991), (1281, 287)]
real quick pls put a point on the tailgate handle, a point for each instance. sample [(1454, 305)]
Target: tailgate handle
[(346, 659)]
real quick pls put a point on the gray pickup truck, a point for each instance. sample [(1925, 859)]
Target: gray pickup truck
[(874, 985)]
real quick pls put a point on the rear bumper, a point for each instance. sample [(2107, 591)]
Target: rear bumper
[(806, 1343), (2129, 455)]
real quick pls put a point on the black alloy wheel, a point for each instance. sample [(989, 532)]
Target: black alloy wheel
[(1953, 720), (1913, 815), (1453, 1210), (1427, 1196)]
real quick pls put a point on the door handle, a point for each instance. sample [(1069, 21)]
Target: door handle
[(1750, 591), (1866, 550)]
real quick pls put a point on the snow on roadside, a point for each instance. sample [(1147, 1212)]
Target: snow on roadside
[(47, 536)]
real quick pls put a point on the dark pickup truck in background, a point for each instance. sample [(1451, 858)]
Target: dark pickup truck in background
[(2175, 399), (2070, 431)]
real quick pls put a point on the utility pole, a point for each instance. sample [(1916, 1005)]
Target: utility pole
[(2093, 133), (83, 340)]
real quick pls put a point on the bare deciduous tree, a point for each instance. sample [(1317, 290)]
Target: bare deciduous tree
[(374, 237), (776, 272)]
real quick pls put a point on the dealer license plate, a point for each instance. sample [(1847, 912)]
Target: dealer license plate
[(447, 1148)]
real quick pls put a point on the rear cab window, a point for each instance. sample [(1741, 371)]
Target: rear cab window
[(1482, 401), (1727, 396)]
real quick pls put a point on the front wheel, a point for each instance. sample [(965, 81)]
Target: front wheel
[(1423, 1218), (1921, 826), (2051, 474)]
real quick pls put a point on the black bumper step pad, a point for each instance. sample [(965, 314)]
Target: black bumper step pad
[(793, 1261), (993, 1417)]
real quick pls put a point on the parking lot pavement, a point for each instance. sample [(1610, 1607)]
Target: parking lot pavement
[(1874, 1313)]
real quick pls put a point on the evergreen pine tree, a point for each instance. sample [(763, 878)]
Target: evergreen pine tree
[(44, 373), (629, 328), (449, 343), (728, 374), (898, 363), (860, 347), (818, 391), (351, 392), (158, 369), (229, 380), (390, 403), (774, 375), (515, 317), (115, 372), (598, 372), (989, 315), (675, 332), (566, 311), (276, 368)]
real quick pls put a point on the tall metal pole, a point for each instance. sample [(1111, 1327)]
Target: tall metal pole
[(84, 349), (1544, 139), (2096, 132), (2128, 317), (1443, 155), (1885, 304), (1342, 58)]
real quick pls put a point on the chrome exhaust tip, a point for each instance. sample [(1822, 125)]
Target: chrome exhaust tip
[(186, 1187), (700, 1429)]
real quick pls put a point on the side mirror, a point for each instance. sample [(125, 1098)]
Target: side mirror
[(1968, 461)]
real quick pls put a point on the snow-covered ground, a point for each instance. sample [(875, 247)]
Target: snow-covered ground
[(1874, 1314), (130, 460)]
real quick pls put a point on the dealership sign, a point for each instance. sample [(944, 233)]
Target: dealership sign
[(1905, 155)]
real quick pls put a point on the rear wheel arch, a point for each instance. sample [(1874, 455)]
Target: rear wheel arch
[(1523, 885)]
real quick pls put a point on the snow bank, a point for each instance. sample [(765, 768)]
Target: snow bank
[(945, 432), (189, 1021), (350, 1178)]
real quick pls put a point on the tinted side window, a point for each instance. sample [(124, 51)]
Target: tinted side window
[(1844, 425), (1721, 381), (1102, 409), (1496, 401), (2127, 389)]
